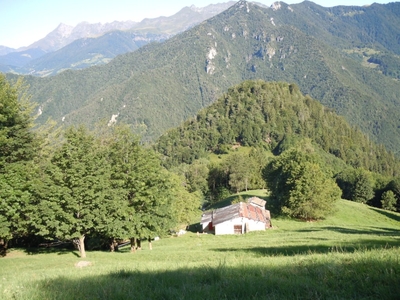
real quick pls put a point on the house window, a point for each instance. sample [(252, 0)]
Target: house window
[(237, 229)]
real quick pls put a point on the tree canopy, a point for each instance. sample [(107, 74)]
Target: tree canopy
[(18, 146), (299, 186)]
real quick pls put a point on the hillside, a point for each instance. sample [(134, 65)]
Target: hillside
[(273, 116), (342, 257), (160, 86)]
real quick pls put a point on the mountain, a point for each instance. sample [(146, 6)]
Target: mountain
[(18, 59), (160, 85), (186, 18), (89, 51), (273, 116), (5, 50), (65, 34), (83, 53)]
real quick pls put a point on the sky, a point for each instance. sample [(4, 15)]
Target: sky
[(23, 22)]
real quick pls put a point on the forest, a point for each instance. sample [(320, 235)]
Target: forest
[(253, 135), (70, 183)]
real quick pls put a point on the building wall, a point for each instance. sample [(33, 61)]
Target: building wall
[(255, 225), (228, 226)]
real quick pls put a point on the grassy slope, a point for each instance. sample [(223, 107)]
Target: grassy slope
[(353, 255)]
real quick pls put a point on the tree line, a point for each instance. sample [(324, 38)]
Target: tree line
[(73, 183), (274, 121)]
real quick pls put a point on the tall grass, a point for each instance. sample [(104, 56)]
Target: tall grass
[(332, 259)]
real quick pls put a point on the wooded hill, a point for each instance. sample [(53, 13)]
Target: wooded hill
[(269, 135), (323, 50), (273, 116)]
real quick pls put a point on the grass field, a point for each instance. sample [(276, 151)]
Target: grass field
[(354, 254)]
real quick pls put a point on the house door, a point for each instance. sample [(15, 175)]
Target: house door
[(237, 229)]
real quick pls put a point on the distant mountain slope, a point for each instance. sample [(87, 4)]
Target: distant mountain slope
[(87, 52), (376, 25), (5, 50), (18, 59), (65, 34), (98, 45), (160, 85), (186, 18)]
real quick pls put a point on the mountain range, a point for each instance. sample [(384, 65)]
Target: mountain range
[(326, 51), (86, 44)]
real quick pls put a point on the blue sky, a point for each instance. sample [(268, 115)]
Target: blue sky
[(23, 22)]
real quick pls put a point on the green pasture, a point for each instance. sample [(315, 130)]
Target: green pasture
[(354, 254)]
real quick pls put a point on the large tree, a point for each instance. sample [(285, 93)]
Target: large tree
[(74, 192), (299, 187), (143, 190), (356, 185), (18, 146)]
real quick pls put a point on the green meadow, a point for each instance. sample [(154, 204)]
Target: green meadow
[(354, 254)]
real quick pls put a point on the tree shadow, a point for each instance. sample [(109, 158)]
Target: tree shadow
[(379, 231), (271, 251), (389, 214), (60, 250), (330, 279)]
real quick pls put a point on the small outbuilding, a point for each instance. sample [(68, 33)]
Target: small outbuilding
[(237, 218)]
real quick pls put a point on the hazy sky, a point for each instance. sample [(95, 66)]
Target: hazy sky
[(23, 22)]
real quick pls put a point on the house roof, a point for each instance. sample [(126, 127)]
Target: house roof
[(257, 201), (238, 210)]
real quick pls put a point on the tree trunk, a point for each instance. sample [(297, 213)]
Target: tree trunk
[(3, 247), (82, 251), (113, 245), (150, 245), (133, 245), (139, 244)]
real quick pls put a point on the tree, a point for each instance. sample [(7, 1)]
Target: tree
[(196, 175), (345, 180), (17, 141), (259, 160), (18, 146), (394, 186), (362, 190), (389, 201), (143, 190), (74, 191), (299, 188), (186, 205), (356, 185), (312, 195), (240, 171)]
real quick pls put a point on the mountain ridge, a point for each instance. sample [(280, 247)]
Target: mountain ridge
[(64, 35), (192, 69)]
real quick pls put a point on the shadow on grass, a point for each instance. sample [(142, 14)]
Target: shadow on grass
[(379, 231), (389, 214), (271, 251), (310, 279), (65, 250)]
